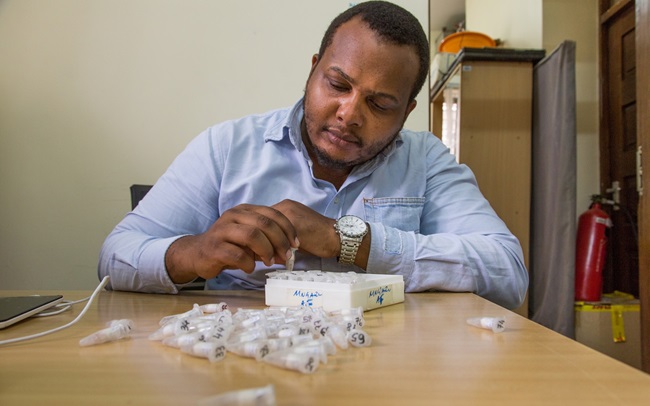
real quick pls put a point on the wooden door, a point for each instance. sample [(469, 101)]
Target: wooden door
[(619, 148), (609, 9)]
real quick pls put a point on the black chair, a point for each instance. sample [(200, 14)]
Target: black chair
[(137, 193)]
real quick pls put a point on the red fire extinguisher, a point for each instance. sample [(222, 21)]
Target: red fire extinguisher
[(591, 244)]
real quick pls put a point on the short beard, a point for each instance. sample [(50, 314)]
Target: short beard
[(325, 160)]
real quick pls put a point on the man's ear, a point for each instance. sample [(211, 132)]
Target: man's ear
[(409, 109), (314, 62)]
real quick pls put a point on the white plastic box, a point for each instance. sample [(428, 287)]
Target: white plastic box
[(298, 288)]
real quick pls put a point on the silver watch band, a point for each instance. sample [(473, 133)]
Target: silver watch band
[(349, 248)]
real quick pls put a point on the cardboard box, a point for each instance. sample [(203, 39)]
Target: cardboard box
[(611, 327)]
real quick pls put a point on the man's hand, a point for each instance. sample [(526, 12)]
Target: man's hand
[(317, 234), (315, 231), (241, 236)]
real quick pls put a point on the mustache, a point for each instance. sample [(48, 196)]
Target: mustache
[(342, 132)]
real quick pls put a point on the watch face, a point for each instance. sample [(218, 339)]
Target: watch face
[(352, 226)]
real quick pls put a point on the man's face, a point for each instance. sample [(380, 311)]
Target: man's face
[(357, 96)]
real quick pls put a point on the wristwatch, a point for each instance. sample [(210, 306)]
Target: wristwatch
[(351, 230)]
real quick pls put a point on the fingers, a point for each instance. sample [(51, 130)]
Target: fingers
[(317, 234), (241, 236), (263, 230), (230, 256)]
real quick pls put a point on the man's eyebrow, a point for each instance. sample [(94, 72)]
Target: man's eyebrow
[(376, 94)]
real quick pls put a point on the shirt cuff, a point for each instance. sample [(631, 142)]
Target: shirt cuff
[(389, 248), (146, 273)]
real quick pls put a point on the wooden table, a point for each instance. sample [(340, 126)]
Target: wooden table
[(423, 352)]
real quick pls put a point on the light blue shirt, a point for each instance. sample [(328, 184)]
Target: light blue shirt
[(429, 222)]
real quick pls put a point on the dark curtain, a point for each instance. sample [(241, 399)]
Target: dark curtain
[(553, 228)]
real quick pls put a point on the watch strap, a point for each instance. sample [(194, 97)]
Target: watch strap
[(349, 249)]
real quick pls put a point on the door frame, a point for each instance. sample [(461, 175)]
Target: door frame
[(642, 38)]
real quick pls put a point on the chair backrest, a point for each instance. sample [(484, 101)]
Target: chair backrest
[(137, 193)]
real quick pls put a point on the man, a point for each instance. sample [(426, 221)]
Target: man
[(245, 194)]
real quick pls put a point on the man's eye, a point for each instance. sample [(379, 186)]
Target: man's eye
[(377, 106), (337, 85)]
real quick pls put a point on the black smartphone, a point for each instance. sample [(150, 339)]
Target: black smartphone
[(16, 308)]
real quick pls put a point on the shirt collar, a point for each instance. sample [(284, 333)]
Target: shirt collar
[(288, 127)]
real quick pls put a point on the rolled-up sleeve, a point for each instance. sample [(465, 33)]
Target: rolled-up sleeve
[(179, 204)]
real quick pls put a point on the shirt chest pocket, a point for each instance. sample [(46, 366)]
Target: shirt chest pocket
[(403, 213)]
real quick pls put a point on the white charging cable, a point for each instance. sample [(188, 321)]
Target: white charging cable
[(63, 306), (54, 330)]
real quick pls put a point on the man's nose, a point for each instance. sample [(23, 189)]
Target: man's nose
[(350, 111)]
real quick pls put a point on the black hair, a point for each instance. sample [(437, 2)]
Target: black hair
[(391, 23)]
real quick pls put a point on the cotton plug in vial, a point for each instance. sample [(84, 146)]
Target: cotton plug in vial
[(339, 335), (219, 333), (264, 396), (191, 325), (195, 312), (292, 259), (213, 351), (214, 307), (272, 345), (116, 330), (288, 359), (328, 344), (184, 340), (496, 324), (249, 349), (314, 348)]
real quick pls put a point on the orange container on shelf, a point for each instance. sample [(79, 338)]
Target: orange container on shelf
[(465, 39)]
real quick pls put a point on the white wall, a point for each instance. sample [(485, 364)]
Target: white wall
[(578, 20), (98, 95), (517, 23)]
